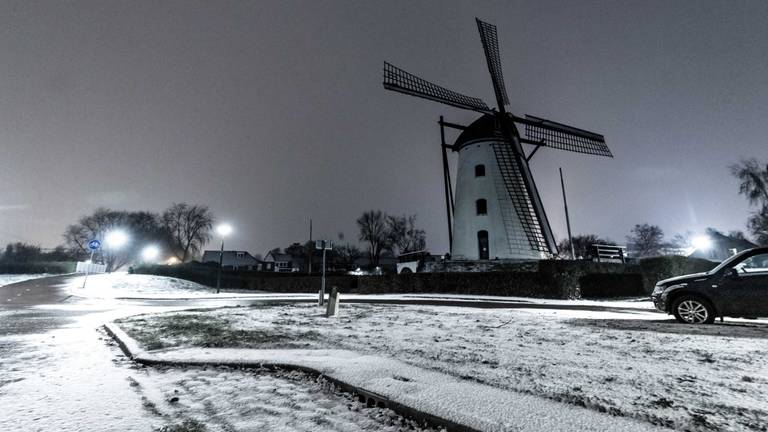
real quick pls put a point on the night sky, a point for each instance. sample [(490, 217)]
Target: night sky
[(274, 112)]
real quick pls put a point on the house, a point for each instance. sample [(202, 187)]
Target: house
[(233, 260), (720, 247), (280, 262)]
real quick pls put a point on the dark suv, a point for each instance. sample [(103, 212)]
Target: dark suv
[(738, 287)]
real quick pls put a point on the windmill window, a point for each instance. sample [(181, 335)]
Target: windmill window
[(482, 206), (479, 170)]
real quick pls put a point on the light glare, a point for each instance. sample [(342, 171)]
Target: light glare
[(116, 239), (224, 229), (150, 253), (701, 243)]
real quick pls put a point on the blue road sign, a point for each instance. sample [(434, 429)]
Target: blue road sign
[(94, 244)]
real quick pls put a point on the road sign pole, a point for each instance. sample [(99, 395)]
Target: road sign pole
[(88, 267), (322, 289)]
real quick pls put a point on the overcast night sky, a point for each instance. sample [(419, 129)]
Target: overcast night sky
[(274, 112)]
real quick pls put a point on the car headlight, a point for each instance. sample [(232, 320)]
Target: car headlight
[(658, 289)]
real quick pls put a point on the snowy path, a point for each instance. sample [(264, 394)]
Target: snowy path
[(59, 372), (478, 406), (633, 363)]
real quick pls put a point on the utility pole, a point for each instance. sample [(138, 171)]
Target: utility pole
[(567, 218), (221, 261), (309, 268), (325, 246)]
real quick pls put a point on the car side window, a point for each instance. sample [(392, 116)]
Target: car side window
[(757, 264)]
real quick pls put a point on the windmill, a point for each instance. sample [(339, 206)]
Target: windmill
[(497, 211)]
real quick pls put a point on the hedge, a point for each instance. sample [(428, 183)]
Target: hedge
[(549, 279)]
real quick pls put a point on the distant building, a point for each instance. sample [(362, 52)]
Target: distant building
[(722, 247), (233, 260), (281, 263)]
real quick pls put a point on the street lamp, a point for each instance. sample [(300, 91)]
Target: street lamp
[(223, 230), (116, 239), (702, 242), (150, 253)]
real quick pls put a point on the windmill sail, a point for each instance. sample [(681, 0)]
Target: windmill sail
[(491, 47), (523, 228), (398, 80), (497, 211), (564, 137)]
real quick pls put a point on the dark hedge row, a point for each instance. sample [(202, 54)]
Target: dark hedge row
[(550, 279), (37, 267)]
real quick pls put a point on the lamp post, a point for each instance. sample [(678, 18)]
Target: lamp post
[(223, 230), (115, 239), (325, 246), (150, 253)]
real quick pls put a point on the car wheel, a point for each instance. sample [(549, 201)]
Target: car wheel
[(693, 310)]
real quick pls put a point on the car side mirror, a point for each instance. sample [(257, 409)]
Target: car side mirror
[(731, 273)]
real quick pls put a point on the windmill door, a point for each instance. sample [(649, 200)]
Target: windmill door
[(482, 244)]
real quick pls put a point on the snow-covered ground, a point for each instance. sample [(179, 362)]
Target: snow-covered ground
[(226, 399), (124, 285), (7, 279), (630, 362), (60, 372)]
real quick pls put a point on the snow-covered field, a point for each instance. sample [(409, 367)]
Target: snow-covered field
[(121, 284), (7, 279), (225, 399), (631, 363)]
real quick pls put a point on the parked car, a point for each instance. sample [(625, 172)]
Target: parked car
[(738, 287)]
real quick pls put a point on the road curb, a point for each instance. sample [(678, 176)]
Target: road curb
[(131, 349)]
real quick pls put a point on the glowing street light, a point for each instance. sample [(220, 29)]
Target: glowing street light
[(702, 243), (150, 253), (116, 239), (223, 230)]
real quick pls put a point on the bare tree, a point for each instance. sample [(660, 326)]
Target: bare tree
[(373, 230), (346, 253), (404, 237), (646, 239), (189, 228), (142, 228), (754, 181), (754, 185), (582, 246), (758, 226)]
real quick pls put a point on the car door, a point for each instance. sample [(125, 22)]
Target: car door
[(746, 291)]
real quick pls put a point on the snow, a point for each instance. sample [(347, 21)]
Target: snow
[(59, 372), (628, 362), (7, 279), (124, 286), (488, 409), (63, 379), (229, 399), (121, 284)]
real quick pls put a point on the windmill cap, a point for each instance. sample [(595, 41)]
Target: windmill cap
[(485, 128)]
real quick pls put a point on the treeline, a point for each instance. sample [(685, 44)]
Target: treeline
[(382, 234), (180, 231)]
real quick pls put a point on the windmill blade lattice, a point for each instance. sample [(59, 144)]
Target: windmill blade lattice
[(564, 137), (398, 80), (491, 47)]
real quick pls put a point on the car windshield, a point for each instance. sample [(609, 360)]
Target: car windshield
[(729, 262)]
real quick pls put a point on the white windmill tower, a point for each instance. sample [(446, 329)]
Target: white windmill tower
[(497, 211)]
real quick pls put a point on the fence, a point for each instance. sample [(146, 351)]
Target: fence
[(89, 267)]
